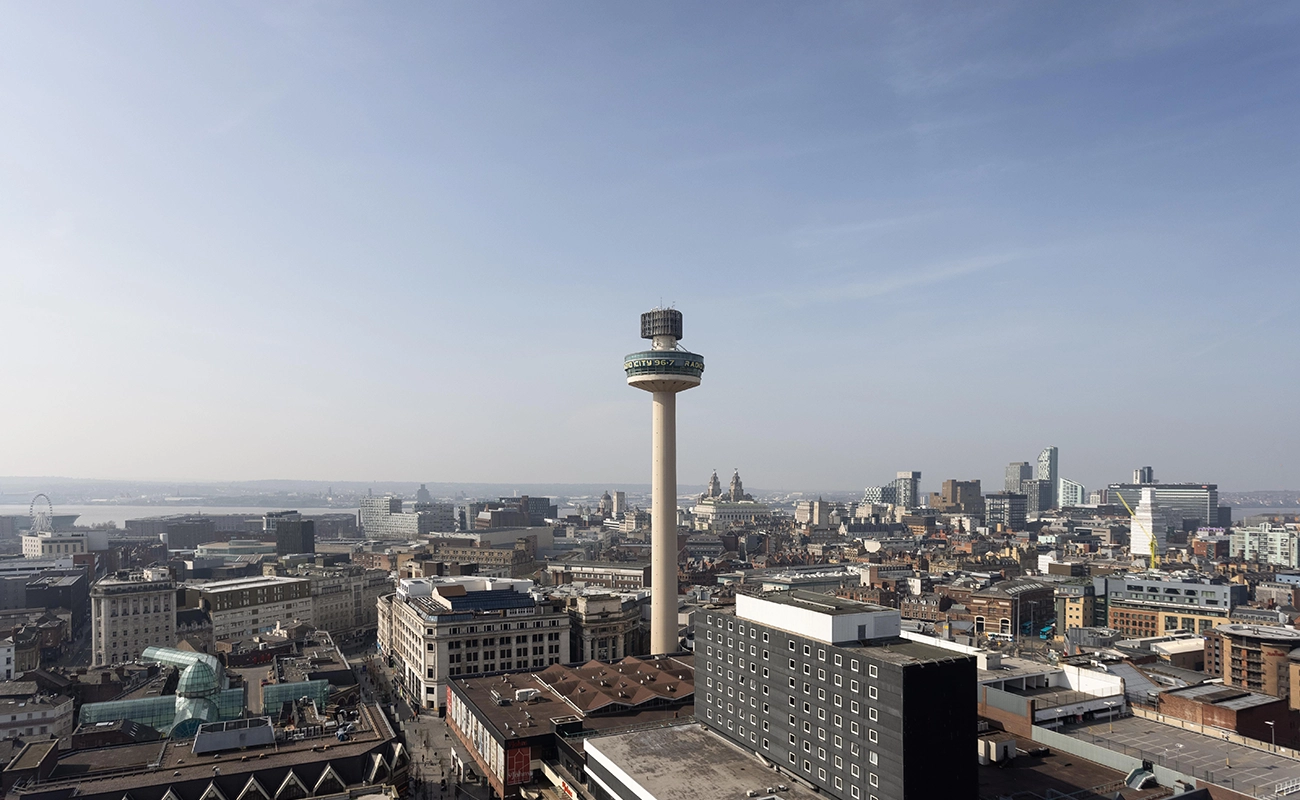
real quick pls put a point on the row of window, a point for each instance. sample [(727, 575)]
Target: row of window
[(505, 626), (504, 666), (854, 770), (791, 644), (491, 641)]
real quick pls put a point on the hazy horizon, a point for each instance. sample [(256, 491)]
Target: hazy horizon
[(321, 240)]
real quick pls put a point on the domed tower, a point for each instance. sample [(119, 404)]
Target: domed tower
[(663, 370)]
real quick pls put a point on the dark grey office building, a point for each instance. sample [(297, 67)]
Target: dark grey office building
[(1007, 509), (292, 533), (1038, 496), (825, 689), (1186, 505), (1017, 473)]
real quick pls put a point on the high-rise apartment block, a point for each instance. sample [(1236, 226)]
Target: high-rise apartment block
[(880, 495), (1278, 545), (824, 688), (908, 488), (1017, 473), (436, 629), (383, 518), (1038, 497), (1143, 475), (1049, 470), (1071, 493), (130, 611)]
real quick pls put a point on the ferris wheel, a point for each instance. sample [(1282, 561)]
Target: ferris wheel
[(42, 520)]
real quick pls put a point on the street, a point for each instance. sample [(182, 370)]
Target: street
[(434, 754)]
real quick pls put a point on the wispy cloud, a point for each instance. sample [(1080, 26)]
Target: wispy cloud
[(882, 285), (813, 236)]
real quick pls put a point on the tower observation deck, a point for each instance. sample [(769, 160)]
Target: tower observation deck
[(663, 370)]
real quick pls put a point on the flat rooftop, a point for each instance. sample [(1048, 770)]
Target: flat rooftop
[(686, 762), (1224, 696), (100, 769), (1252, 772), (821, 603), (1055, 775)]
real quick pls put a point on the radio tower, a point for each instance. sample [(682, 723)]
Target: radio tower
[(663, 370)]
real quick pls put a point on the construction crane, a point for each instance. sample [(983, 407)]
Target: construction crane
[(1155, 557)]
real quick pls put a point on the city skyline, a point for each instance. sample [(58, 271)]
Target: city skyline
[(320, 243)]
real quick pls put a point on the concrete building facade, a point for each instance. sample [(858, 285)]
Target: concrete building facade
[(129, 612), (435, 629), (825, 689), (244, 607)]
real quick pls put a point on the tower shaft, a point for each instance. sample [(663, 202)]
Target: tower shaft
[(664, 370), (663, 524)]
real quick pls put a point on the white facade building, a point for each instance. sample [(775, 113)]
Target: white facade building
[(1276, 545), (436, 629), (1071, 493), (129, 612), (49, 544), (1148, 522)]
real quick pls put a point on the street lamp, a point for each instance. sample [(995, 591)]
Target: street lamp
[(1110, 708), (1272, 733)]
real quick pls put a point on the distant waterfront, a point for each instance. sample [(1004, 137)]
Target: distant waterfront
[(104, 512)]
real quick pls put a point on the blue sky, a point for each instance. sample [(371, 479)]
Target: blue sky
[(411, 241)]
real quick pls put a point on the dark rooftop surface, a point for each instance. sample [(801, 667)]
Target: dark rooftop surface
[(601, 695), (905, 651), (30, 756), (1053, 775), (821, 603), (112, 769)]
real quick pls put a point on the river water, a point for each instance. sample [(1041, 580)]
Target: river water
[(97, 513)]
